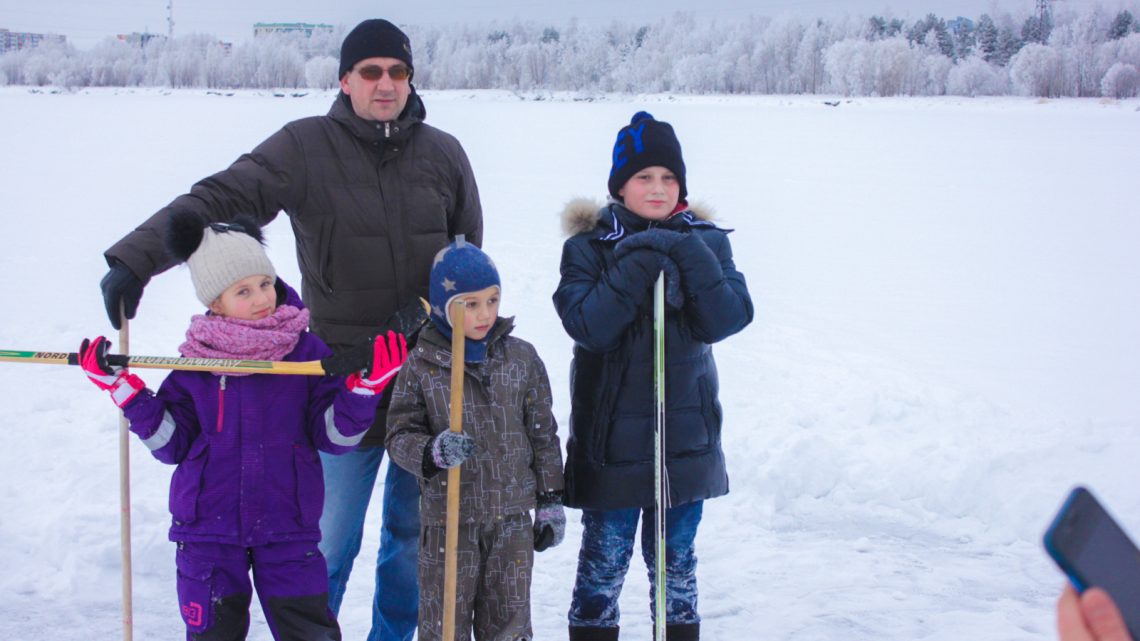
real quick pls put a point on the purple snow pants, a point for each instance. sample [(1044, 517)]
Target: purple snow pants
[(214, 591)]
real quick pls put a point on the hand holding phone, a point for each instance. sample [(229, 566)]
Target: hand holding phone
[(1091, 616), (1093, 550)]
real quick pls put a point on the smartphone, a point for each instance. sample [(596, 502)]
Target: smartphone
[(1093, 550)]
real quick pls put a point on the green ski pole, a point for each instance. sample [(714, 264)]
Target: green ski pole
[(660, 473)]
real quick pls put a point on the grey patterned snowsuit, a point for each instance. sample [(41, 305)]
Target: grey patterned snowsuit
[(507, 409)]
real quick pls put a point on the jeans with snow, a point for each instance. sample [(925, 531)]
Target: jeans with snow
[(349, 479), (603, 560)]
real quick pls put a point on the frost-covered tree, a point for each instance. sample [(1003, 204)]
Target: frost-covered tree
[(115, 63), (932, 32), (684, 52), (1037, 29), (1078, 42), (1035, 71), (880, 28), (856, 67), (1122, 25), (965, 37), (1008, 45), (809, 57), (320, 72), (1122, 80), (987, 37), (848, 67), (974, 76)]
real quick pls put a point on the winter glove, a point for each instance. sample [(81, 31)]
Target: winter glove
[(121, 285), (407, 320), (122, 384), (549, 521), (655, 238), (661, 242), (449, 449), (691, 252), (387, 355)]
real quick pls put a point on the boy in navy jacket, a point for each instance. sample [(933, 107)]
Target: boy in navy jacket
[(604, 298)]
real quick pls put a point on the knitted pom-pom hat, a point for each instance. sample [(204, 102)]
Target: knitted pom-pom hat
[(645, 142), (218, 254)]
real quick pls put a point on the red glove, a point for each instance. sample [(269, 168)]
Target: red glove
[(388, 354), (119, 381)]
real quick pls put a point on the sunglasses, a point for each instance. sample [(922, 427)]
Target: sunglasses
[(395, 72)]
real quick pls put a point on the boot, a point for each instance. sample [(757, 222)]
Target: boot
[(682, 631), (578, 633)]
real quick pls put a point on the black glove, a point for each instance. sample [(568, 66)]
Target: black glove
[(408, 320), (120, 285), (353, 360)]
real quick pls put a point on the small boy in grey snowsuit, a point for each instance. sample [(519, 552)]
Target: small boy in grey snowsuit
[(509, 452)]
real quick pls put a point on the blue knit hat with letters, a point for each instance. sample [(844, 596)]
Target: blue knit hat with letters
[(645, 142), (458, 269)]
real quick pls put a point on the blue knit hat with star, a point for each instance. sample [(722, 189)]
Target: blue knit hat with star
[(460, 268), (645, 142)]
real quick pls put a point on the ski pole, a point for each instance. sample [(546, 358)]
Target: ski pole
[(660, 473), (225, 365), (125, 496), (451, 535)]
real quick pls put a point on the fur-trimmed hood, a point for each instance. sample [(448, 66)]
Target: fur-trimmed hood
[(582, 214)]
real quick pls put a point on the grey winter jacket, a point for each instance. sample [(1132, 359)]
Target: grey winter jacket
[(370, 204), (506, 408)]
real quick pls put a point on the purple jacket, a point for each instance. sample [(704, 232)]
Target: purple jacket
[(246, 448)]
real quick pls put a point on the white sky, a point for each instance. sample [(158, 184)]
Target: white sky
[(85, 22)]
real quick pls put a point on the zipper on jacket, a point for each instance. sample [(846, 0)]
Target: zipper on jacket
[(221, 401), (387, 130)]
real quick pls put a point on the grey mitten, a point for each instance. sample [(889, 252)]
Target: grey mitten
[(449, 449), (549, 522)]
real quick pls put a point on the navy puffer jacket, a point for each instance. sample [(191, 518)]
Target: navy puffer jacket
[(605, 299)]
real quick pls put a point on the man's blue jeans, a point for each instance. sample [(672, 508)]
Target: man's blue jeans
[(349, 479), (603, 560)]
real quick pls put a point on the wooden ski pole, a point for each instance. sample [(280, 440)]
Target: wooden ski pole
[(125, 496), (451, 536), (660, 473)]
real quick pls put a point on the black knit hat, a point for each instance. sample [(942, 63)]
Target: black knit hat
[(374, 38), (646, 142)]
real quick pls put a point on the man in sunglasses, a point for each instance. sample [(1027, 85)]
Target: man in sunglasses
[(372, 192)]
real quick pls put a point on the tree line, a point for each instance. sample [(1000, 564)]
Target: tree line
[(1093, 53)]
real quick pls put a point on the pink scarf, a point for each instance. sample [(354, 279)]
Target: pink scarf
[(266, 339)]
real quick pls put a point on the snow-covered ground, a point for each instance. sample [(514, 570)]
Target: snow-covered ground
[(947, 295)]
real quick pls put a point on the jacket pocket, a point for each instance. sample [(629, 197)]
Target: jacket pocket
[(186, 484)]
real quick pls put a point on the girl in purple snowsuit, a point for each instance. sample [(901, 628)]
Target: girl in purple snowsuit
[(248, 490)]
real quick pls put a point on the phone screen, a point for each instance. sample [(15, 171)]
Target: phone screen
[(1095, 552)]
